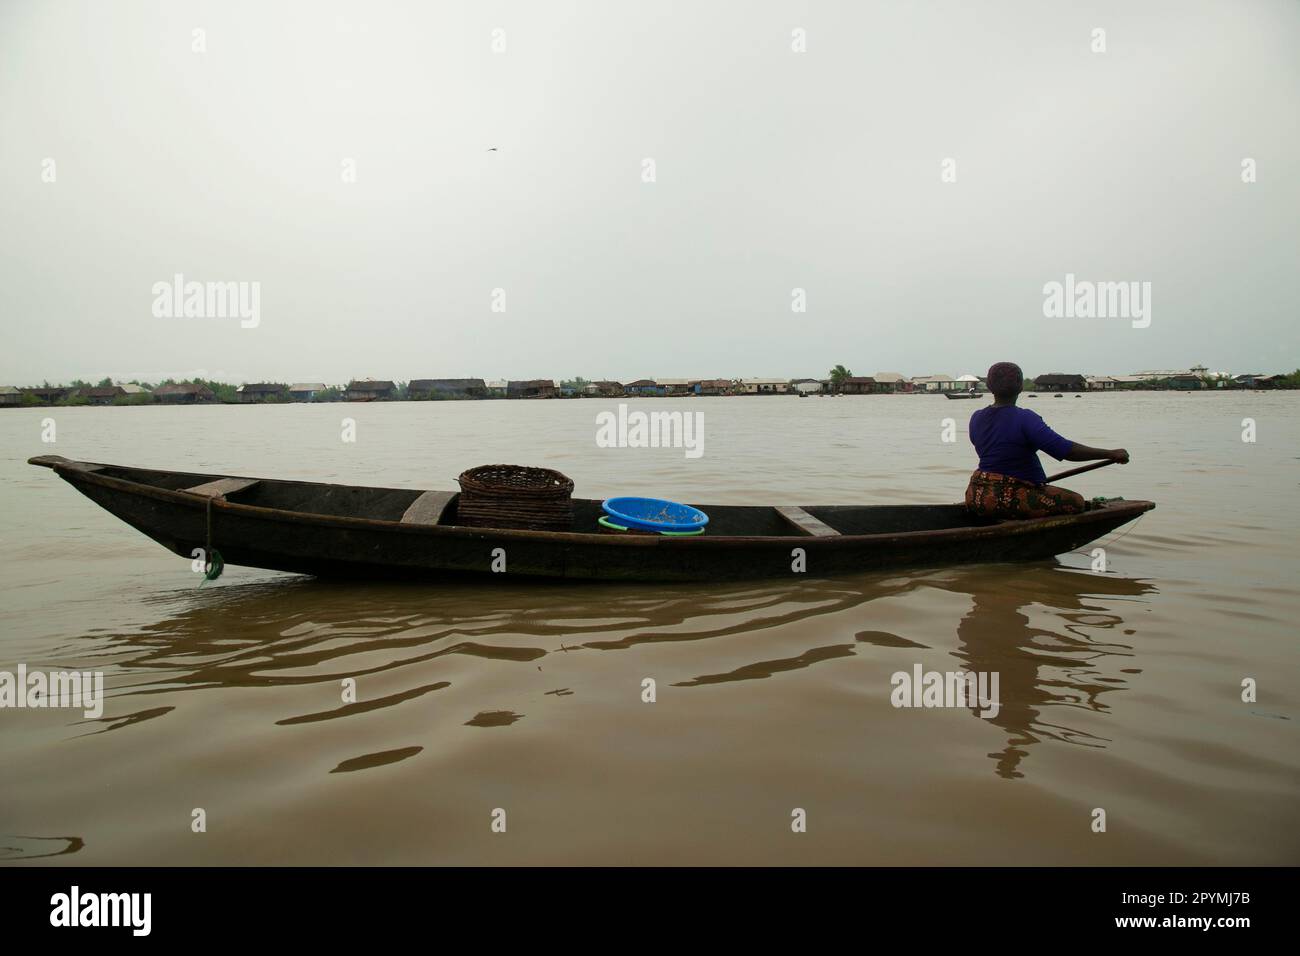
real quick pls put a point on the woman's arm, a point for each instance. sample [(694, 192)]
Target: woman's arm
[(1042, 438), (1088, 453)]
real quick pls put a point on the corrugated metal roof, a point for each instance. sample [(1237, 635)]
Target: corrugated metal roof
[(184, 388), (370, 385), (445, 384), (1058, 378), (261, 387)]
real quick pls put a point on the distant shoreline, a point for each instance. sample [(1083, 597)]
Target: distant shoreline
[(624, 398), (839, 381)]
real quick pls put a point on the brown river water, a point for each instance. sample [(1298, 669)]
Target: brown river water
[(1119, 691)]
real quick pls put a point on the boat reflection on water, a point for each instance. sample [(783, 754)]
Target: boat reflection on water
[(1054, 635), (37, 848), (1066, 666)]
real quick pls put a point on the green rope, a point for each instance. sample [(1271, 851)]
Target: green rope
[(215, 563), (604, 522)]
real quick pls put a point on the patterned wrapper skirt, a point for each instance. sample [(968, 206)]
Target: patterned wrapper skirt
[(991, 495)]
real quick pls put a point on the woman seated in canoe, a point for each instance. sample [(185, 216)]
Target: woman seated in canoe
[(1010, 482)]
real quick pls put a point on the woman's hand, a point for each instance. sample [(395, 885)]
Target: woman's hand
[(1119, 455)]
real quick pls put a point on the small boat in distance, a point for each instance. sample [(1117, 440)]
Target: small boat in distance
[(970, 394), (358, 531)]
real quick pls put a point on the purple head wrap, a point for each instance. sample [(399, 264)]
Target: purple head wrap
[(1005, 378)]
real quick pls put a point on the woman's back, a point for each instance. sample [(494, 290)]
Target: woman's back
[(1008, 439)]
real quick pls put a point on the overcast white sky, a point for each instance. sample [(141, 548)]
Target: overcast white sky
[(775, 170)]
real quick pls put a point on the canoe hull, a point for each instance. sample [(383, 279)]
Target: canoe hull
[(341, 546)]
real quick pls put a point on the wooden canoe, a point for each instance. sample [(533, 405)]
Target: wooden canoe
[(350, 531)]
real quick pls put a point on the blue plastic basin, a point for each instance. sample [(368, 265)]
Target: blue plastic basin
[(655, 514)]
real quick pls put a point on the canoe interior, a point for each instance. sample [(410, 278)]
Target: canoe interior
[(389, 504), (344, 531)]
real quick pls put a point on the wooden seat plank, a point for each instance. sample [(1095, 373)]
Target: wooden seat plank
[(428, 508), (221, 487), (805, 522)]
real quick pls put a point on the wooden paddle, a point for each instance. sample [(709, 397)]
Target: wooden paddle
[(1081, 470)]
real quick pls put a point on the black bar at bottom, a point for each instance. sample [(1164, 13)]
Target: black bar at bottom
[(976, 905)]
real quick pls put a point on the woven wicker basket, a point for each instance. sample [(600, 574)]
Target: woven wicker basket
[(515, 496)]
